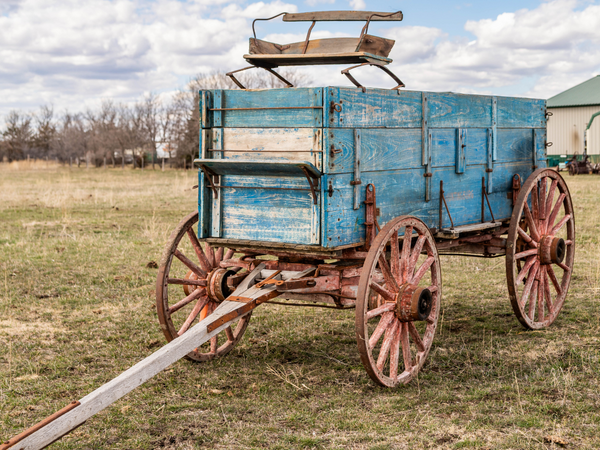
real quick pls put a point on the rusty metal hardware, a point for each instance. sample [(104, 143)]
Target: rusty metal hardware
[(443, 199), (516, 187), (208, 174), (489, 170), (356, 182), (485, 196), (366, 27), (371, 213), (235, 298), (38, 426), (330, 189), (266, 280), (413, 303), (271, 71), (549, 144), (263, 109), (337, 107), (399, 83), (428, 175), (291, 285), (264, 151), (270, 18), (218, 186), (308, 37), (313, 185), (335, 151)]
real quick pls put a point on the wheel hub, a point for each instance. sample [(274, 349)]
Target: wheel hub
[(216, 284), (413, 303), (552, 250)]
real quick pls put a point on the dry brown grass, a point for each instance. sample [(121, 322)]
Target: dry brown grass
[(76, 309)]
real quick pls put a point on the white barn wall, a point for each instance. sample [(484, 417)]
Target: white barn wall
[(566, 127)]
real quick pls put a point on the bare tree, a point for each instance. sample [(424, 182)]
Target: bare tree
[(18, 135)]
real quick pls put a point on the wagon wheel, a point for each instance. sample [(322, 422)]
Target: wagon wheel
[(540, 249), (572, 168), (190, 284), (398, 301)]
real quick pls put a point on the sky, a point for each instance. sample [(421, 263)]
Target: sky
[(73, 54)]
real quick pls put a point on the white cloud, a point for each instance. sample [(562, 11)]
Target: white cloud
[(74, 53), (357, 4)]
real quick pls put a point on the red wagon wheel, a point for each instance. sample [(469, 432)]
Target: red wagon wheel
[(540, 249), (191, 283), (398, 301)]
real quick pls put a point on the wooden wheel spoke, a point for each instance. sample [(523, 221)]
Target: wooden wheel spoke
[(380, 310), (564, 267), (554, 280), (532, 226), (197, 308), (214, 343), (526, 253), (210, 255), (535, 207), (416, 252), (529, 283), (549, 200), (555, 210), (406, 354), (414, 334), (198, 250), (385, 320), (533, 302), (395, 263), (433, 288), (229, 254), (390, 296), (540, 294), (387, 274), (560, 224), (526, 237), (422, 270), (526, 268), (406, 245), (395, 354), (547, 293), (190, 298), (193, 267), (542, 202), (219, 255), (229, 333), (387, 342)]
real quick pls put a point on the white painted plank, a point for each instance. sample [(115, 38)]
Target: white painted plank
[(112, 391)]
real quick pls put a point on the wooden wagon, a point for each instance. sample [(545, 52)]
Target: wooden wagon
[(345, 198)]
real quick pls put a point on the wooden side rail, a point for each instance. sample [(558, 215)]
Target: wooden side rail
[(342, 16)]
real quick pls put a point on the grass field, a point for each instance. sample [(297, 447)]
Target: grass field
[(77, 309)]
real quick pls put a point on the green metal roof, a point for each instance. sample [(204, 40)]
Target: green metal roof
[(584, 94)]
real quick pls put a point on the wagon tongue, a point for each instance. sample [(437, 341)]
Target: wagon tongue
[(249, 294)]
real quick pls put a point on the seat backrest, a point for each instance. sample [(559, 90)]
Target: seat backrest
[(342, 16)]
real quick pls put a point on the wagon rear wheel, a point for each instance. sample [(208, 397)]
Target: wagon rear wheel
[(191, 283), (398, 301), (540, 249)]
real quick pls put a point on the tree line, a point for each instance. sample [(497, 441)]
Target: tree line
[(119, 133)]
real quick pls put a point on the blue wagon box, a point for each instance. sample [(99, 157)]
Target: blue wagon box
[(290, 165)]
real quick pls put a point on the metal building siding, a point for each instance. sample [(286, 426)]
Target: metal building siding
[(566, 127)]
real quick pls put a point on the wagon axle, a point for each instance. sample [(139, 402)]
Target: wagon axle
[(413, 303)]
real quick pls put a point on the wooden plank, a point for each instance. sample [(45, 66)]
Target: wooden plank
[(205, 105), (314, 59), (259, 168), (344, 16), (514, 144), (375, 45), (385, 149), (449, 110), (444, 143), (286, 144), (215, 217), (374, 108), (248, 104), (112, 391), (521, 113), (270, 215), (357, 157), (260, 47), (540, 147)]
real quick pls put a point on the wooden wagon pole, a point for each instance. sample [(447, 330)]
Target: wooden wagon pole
[(49, 430)]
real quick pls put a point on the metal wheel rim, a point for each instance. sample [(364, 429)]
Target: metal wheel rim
[(405, 331), (169, 329), (527, 306)]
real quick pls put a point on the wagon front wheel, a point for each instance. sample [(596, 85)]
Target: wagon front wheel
[(398, 301), (192, 280), (540, 249)]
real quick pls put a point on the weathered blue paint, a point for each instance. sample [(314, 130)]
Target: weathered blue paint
[(458, 139)]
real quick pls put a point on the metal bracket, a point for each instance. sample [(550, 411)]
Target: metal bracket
[(272, 72), (516, 187), (346, 72), (371, 213), (313, 186), (443, 199), (485, 196), (357, 181), (208, 174)]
